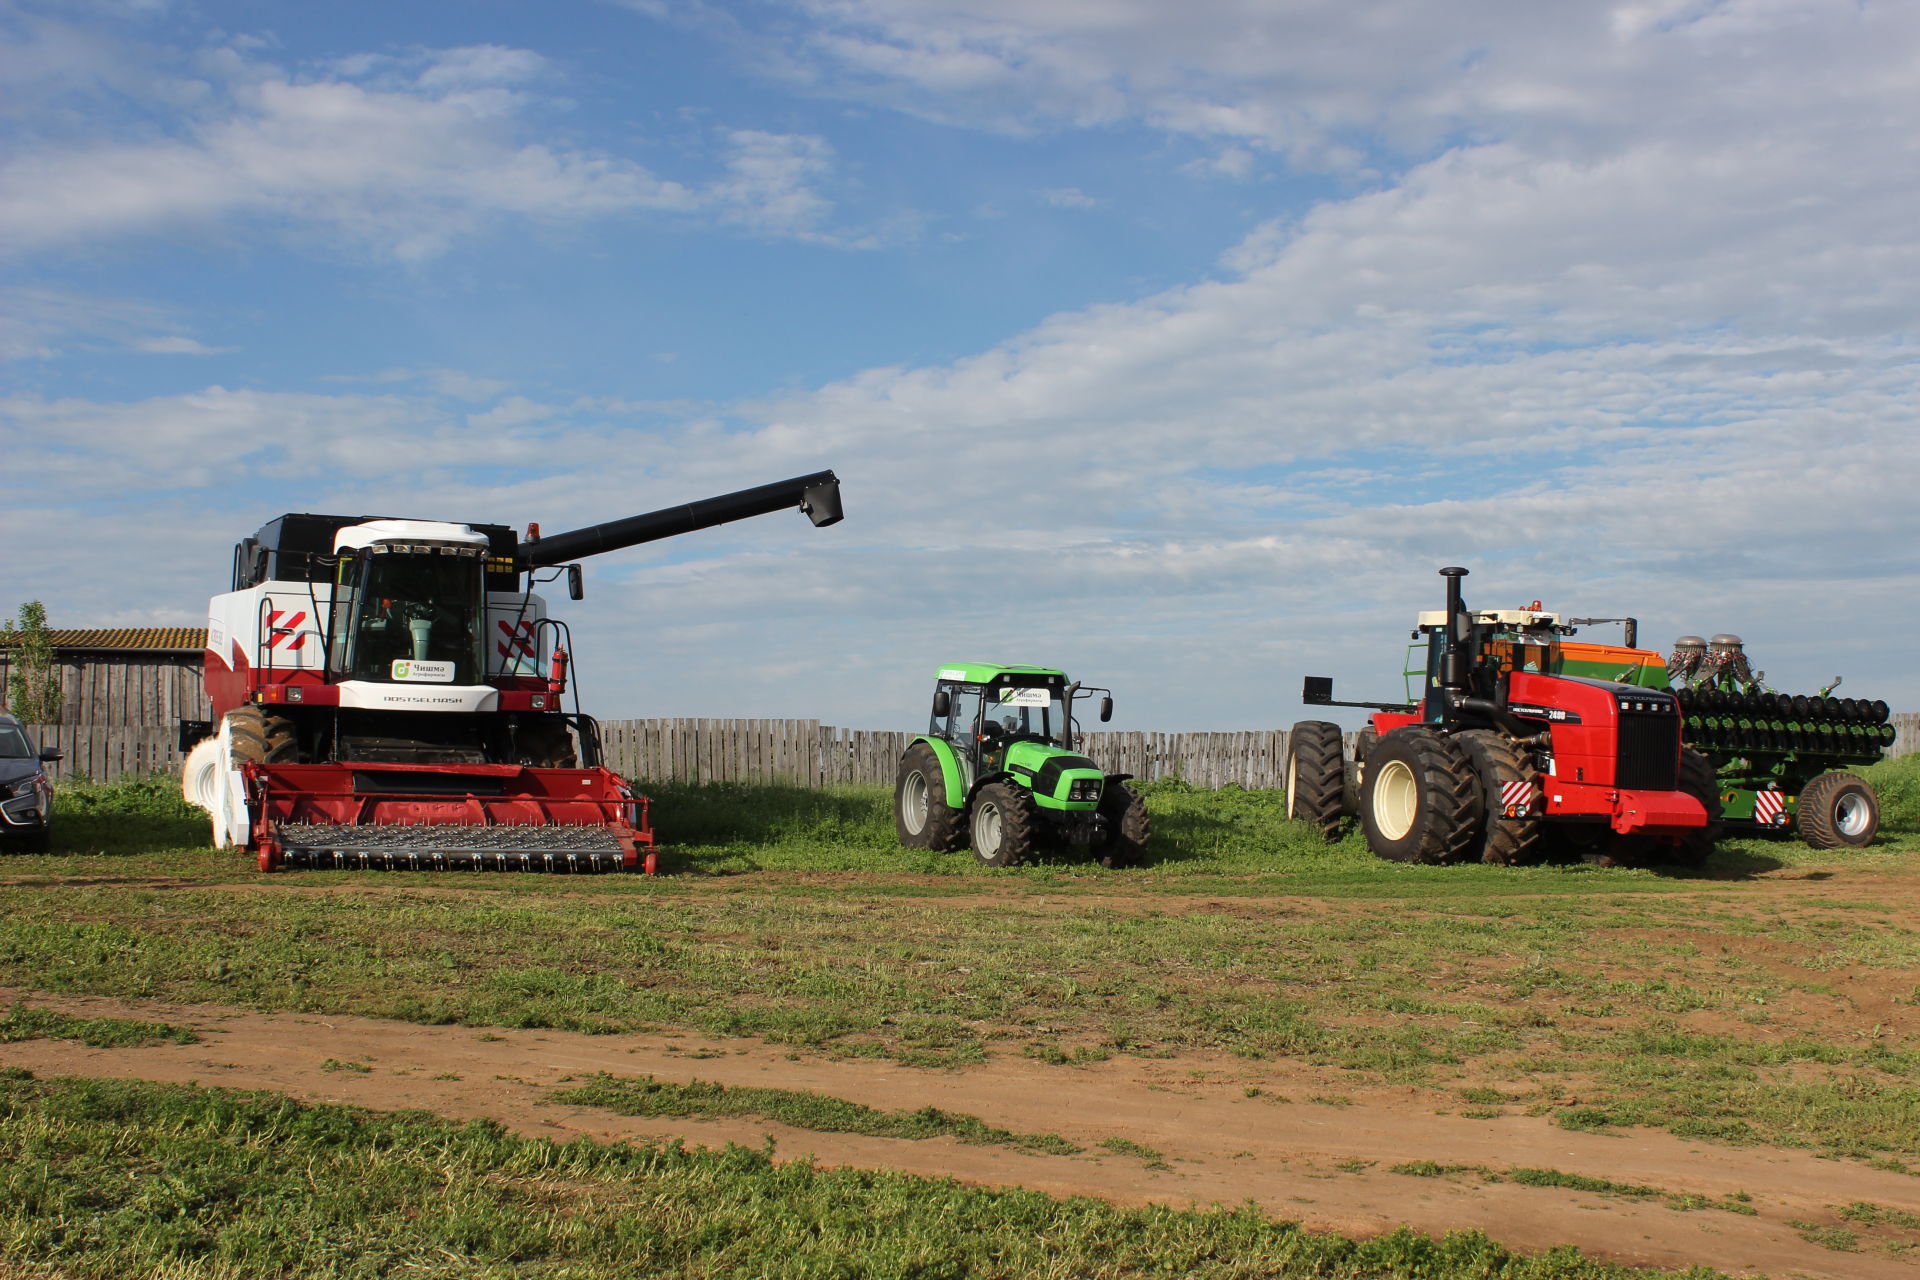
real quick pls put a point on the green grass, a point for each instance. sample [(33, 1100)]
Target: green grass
[(102, 1178), (24, 1023), (795, 1108), (1629, 990)]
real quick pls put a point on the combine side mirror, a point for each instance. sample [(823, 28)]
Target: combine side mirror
[(576, 583), (1106, 709), (942, 704)]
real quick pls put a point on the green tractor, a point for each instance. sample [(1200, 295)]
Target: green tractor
[(996, 770)]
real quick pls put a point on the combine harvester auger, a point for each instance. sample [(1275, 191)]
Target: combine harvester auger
[(389, 694)]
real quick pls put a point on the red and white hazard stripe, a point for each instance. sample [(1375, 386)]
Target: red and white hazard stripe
[(1770, 809), (518, 638), (286, 632), (1516, 798)]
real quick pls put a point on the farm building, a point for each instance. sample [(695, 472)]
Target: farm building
[(148, 676)]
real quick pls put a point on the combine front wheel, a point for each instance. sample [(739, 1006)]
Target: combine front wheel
[(1421, 800), (1004, 824), (1839, 811), (262, 736), (1316, 776)]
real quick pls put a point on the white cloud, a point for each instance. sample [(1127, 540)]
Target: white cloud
[(1068, 198), (398, 155), (176, 345)]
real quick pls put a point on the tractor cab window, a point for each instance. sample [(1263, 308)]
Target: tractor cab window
[(1023, 715), (963, 714), (417, 617)]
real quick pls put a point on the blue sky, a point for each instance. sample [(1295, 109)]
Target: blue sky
[(1173, 345)]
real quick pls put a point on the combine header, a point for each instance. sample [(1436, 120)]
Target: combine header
[(389, 694)]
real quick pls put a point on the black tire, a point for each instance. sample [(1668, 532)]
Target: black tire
[(1510, 792), (1316, 776), (1003, 823), (543, 742), (1698, 780), (1839, 811), (262, 736), (922, 818), (1363, 743), (1421, 799), (1127, 826)]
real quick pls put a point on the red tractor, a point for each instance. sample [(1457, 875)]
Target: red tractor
[(1504, 761), (390, 694)]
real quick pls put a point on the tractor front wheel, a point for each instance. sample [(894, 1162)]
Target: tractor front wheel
[(1316, 776), (1005, 824), (1839, 811), (1421, 798), (1697, 779), (922, 818), (1124, 815)]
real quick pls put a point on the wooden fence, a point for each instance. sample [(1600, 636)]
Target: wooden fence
[(799, 752)]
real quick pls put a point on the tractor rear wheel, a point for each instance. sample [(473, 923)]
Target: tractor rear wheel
[(1316, 776), (922, 818), (1839, 811), (1697, 779), (1005, 824), (262, 736), (1127, 826), (1511, 793), (1421, 799)]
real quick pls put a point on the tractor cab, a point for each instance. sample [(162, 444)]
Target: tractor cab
[(1014, 720)]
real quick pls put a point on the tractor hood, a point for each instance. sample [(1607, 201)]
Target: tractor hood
[(1058, 779)]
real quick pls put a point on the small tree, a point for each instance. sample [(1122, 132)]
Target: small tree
[(33, 691)]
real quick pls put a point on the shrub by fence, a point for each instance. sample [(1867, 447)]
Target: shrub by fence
[(802, 752)]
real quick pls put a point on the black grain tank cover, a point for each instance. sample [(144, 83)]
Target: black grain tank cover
[(299, 548), (817, 495)]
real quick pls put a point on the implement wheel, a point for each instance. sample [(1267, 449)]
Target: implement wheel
[(1839, 811), (922, 818), (1421, 798), (1127, 826), (1316, 776), (1005, 824), (1514, 800)]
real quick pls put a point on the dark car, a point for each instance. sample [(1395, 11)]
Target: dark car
[(26, 793)]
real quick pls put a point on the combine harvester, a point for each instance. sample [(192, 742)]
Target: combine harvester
[(388, 694)]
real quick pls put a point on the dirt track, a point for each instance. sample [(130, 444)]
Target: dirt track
[(1221, 1145)]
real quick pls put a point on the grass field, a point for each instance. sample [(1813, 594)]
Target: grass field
[(115, 1179), (1746, 1002)]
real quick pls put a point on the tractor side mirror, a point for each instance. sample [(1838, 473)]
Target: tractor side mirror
[(576, 583), (1106, 709), (942, 704)]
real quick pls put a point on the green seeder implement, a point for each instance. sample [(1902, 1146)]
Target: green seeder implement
[(996, 770)]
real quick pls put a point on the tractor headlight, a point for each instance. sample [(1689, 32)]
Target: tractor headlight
[(1084, 789)]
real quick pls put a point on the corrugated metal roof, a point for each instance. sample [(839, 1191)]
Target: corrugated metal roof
[(191, 639)]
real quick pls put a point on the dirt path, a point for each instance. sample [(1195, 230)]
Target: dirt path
[(1327, 1166)]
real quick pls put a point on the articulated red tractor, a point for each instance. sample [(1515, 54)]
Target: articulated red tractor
[(391, 694), (1506, 758)]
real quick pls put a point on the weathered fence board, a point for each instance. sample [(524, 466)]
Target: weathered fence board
[(797, 752)]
